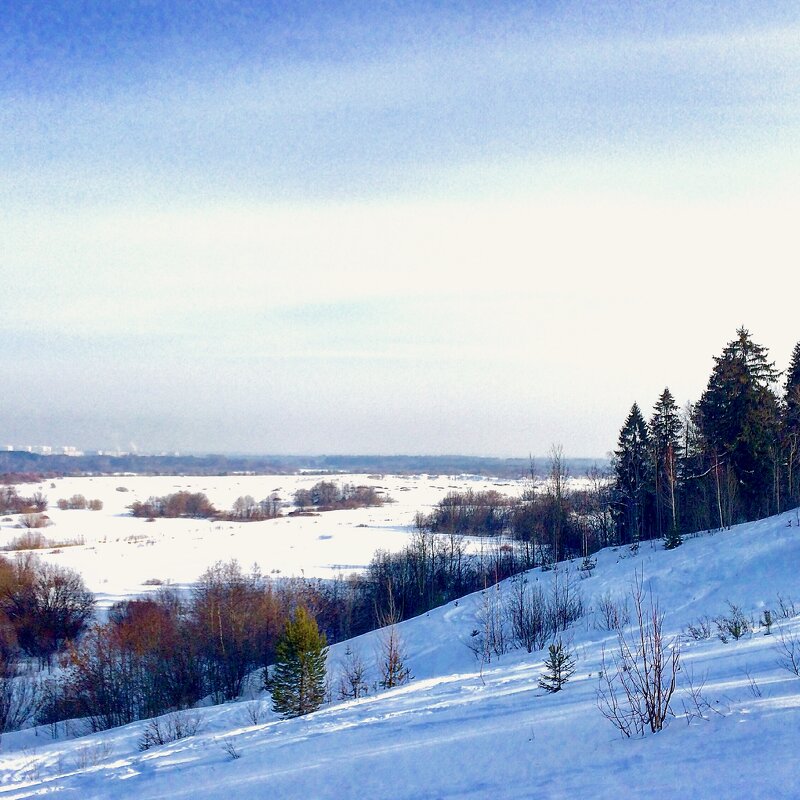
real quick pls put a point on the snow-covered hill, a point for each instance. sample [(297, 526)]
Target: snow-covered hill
[(458, 732)]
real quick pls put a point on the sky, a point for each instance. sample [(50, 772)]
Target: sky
[(377, 227)]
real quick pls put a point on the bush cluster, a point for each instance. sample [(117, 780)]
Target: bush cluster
[(330, 496), (11, 502), (79, 502)]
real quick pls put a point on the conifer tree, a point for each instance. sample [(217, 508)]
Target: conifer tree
[(559, 667), (791, 427), (298, 679), (738, 418), (632, 478), (665, 432)]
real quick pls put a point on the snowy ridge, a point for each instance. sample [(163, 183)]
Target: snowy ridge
[(453, 732)]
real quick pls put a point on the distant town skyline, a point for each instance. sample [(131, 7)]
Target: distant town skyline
[(387, 228)]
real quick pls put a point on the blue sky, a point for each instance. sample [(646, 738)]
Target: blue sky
[(387, 227)]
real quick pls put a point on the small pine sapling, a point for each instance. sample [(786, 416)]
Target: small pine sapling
[(559, 667), (672, 539), (766, 621), (352, 683)]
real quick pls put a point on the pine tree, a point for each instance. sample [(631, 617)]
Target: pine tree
[(632, 478), (559, 667), (739, 422), (298, 679), (791, 427), (665, 438)]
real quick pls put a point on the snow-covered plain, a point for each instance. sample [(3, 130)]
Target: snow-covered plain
[(458, 732), (120, 554)]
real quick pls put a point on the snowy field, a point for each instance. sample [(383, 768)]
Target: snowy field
[(120, 553), (453, 732)]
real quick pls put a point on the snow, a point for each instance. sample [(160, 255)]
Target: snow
[(120, 554), (456, 731)]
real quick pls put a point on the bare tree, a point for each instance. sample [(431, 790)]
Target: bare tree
[(558, 477), (527, 613), (638, 680), (48, 605), (19, 690)]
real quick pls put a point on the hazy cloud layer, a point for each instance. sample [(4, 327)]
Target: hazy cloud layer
[(402, 229)]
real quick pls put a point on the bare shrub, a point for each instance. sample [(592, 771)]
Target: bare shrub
[(534, 617), (786, 607), (90, 755), (170, 728), (229, 746), (701, 629), (639, 680), (79, 502), (491, 638), (33, 540), (752, 684), (565, 602), (19, 693), (612, 613), (30, 540), (695, 704), (256, 711), (33, 521), (788, 648), (528, 615)]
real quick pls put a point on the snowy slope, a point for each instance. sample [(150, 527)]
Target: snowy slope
[(454, 733)]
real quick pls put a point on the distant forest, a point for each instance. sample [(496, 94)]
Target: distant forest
[(20, 463)]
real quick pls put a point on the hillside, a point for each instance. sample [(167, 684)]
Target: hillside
[(453, 732)]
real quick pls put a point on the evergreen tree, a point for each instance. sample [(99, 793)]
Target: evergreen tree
[(632, 478), (791, 428), (559, 667), (665, 438), (298, 679), (738, 418), (696, 487)]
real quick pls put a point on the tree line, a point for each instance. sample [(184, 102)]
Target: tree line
[(731, 457)]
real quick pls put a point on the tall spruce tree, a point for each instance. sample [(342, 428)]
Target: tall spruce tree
[(632, 482), (791, 428), (739, 423), (298, 679), (665, 430)]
